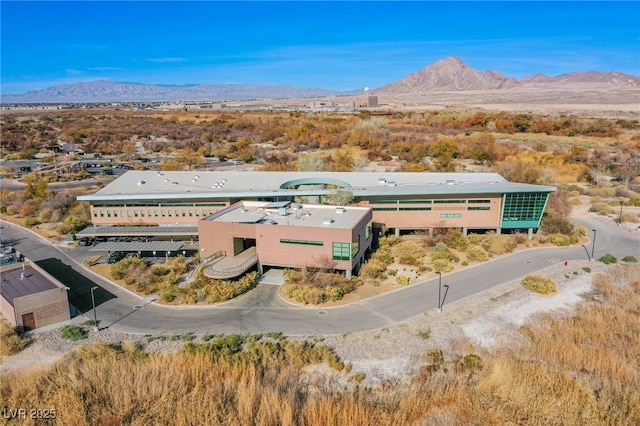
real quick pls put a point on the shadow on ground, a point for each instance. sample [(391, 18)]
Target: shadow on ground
[(80, 286)]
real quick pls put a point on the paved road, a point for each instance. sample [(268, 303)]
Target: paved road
[(262, 310)]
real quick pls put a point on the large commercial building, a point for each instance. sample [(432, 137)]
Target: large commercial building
[(180, 204)]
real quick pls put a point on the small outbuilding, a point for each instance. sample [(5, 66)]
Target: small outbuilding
[(30, 297)]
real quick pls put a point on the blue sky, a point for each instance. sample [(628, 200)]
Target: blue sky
[(332, 45)]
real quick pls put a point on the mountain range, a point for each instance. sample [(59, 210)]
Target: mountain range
[(447, 75)]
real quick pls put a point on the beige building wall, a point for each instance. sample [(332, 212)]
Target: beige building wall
[(48, 307)]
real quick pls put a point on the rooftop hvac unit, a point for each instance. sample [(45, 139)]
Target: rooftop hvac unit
[(451, 182), (282, 211), (391, 183), (141, 182), (382, 181), (327, 221), (340, 210)]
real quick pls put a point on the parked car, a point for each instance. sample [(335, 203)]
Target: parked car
[(116, 256)]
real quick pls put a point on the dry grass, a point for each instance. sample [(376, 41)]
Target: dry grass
[(582, 369)]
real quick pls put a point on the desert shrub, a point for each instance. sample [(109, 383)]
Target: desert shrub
[(72, 332), (629, 259), (442, 265), (539, 284), (434, 356), (471, 362), (456, 240), (402, 280), (630, 218), (122, 269), (498, 244), (30, 222), (601, 209), (306, 294), (608, 259), (559, 240), (373, 268), (574, 188), (11, 338), (408, 252), (476, 254)]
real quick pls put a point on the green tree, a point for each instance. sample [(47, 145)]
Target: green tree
[(444, 151), (37, 187), (339, 197)]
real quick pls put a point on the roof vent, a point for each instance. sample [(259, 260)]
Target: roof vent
[(382, 181), (391, 183), (340, 210), (141, 182), (451, 182), (327, 221), (166, 180), (307, 214)]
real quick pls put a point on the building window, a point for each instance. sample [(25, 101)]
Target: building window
[(355, 246), (95, 213), (128, 213), (142, 213), (197, 212), (190, 213), (341, 251), (108, 213), (135, 213), (478, 208), (414, 208), (155, 213), (163, 213), (415, 201), (368, 230), (450, 215), (449, 201), (170, 214), (101, 213), (479, 201), (115, 213), (524, 207), (385, 209), (301, 242)]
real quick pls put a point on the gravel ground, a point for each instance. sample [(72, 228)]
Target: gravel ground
[(388, 354)]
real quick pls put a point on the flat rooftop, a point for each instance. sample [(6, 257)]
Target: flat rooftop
[(301, 215), (14, 285), (139, 185)]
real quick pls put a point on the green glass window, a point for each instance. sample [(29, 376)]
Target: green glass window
[(478, 208), (355, 246), (414, 208), (341, 251), (523, 209), (368, 231), (385, 209), (479, 201), (449, 201)]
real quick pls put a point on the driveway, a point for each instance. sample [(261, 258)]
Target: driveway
[(261, 310)]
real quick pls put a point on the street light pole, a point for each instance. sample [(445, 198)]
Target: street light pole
[(593, 244), (439, 290), (620, 219), (95, 314)]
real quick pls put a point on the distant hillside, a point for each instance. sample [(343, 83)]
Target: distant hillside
[(109, 91), (452, 74), (447, 75)]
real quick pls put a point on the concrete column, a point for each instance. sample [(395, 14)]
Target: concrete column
[(260, 270), (498, 231), (530, 233), (465, 231), (349, 274), (397, 232), (430, 232)]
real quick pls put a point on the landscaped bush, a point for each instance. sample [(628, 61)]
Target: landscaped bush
[(373, 268), (442, 265), (402, 280), (408, 253), (476, 254), (498, 244), (608, 259), (72, 332), (560, 240), (539, 284), (318, 287), (629, 259)]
